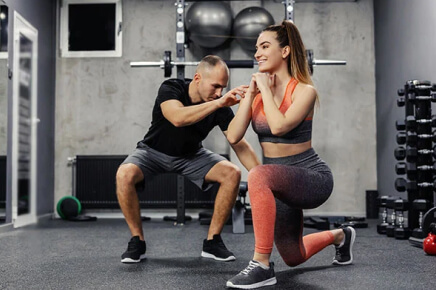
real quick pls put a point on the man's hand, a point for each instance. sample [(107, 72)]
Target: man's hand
[(230, 98)]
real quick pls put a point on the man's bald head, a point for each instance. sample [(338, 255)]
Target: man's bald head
[(211, 77), (209, 62)]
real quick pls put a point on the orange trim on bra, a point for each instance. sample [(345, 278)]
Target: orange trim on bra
[(287, 99), (257, 106)]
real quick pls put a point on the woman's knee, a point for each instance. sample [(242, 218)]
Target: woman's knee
[(289, 246), (293, 261), (255, 171), (261, 172), (258, 177)]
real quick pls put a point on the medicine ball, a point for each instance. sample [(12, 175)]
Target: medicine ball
[(209, 24), (249, 23), (69, 207)]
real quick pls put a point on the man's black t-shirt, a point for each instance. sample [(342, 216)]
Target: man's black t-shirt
[(166, 138)]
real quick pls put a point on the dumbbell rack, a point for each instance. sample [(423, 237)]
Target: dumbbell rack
[(415, 131)]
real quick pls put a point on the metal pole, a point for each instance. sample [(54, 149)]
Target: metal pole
[(180, 37), (289, 9), (316, 62)]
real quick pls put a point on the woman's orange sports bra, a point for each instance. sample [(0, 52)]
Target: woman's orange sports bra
[(300, 134)]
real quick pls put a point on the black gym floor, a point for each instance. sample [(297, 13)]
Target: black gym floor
[(86, 255)]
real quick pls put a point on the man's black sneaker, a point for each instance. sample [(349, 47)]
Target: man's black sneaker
[(344, 252), (215, 249), (254, 276), (135, 251)]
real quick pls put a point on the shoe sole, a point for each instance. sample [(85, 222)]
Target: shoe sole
[(269, 282), (353, 237), (129, 260), (210, 256)]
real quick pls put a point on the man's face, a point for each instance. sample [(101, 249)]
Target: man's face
[(212, 83)]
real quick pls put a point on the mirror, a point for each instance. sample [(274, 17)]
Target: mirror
[(24, 127), (3, 107)]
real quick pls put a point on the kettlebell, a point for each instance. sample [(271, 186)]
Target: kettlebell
[(429, 244)]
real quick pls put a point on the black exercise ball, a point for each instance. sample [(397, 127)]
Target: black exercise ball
[(249, 23), (69, 207), (209, 24)]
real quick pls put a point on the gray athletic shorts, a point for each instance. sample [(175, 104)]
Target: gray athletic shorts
[(194, 166)]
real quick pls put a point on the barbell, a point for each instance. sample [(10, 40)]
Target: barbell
[(167, 64)]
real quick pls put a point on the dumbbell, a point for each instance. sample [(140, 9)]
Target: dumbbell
[(409, 137), (390, 228), (411, 153), (401, 138), (411, 122), (412, 138), (401, 101), (400, 125), (400, 232), (412, 97), (411, 169), (400, 153), (381, 228), (400, 92), (421, 205), (411, 186), (413, 85)]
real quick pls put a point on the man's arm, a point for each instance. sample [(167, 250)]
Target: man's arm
[(180, 116), (245, 153)]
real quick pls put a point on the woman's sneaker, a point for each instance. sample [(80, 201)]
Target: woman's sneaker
[(135, 251), (215, 249), (344, 252), (254, 276)]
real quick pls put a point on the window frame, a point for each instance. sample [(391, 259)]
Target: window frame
[(64, 20)]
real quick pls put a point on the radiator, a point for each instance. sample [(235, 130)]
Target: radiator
[(94, 185), (2, 181)]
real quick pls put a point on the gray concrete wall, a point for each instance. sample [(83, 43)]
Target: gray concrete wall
[(405, 51), (104, 107)]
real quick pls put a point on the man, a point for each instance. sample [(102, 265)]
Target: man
[(184, 113)]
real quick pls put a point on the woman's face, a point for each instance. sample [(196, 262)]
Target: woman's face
[(269, 54)]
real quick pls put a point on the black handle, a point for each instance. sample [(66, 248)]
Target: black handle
[(240, 63)]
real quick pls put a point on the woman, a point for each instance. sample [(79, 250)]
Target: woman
[(280, 104)]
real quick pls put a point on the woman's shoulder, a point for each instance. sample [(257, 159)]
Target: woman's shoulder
[(304, 86), (305, 89)]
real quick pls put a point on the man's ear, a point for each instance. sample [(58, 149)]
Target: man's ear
[(286, 51), (197, 77)]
